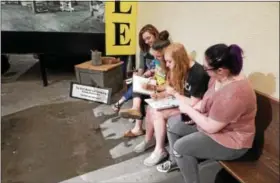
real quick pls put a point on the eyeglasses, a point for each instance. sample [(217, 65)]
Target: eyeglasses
[(208, 69)]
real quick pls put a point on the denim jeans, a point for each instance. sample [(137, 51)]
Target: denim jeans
[(128, 93)]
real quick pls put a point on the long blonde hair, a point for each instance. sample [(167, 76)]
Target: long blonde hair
[(177, 75)]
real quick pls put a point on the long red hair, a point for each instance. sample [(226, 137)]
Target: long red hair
[(177, 75)]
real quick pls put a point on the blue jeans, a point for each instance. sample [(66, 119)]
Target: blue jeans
[(128, 93)]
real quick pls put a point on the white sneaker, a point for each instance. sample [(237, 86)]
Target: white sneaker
[(155, 159), (131, 120), (143, 146)]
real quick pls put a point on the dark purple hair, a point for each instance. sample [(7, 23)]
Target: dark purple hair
[(223, 56)]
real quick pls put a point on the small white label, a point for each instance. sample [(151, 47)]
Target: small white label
[(90, 93)]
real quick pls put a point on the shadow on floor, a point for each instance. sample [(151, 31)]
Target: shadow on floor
[(55, 142)]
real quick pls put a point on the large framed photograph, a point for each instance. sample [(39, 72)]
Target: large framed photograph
[(53, 16)]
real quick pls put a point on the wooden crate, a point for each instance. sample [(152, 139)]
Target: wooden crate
[(103, 76)]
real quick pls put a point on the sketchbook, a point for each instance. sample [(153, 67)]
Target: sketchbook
[(165, 103), (137, 83)]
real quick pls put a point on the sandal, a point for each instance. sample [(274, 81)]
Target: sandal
[(116, 107), (130, 134)]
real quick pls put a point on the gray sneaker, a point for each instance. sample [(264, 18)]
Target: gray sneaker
[(155, 158), (143, 146), (167, 166)]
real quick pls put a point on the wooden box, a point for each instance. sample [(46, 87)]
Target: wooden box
[(103, 76)]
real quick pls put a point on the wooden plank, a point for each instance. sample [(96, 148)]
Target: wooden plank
[(104, 67), (265, 168), (250, 172)]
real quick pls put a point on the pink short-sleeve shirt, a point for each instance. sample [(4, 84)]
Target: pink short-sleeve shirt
[(234, 104)]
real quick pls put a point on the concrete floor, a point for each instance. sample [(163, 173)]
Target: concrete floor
[(49, 137)]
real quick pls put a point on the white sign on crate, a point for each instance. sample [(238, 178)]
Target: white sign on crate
[(90, 93)]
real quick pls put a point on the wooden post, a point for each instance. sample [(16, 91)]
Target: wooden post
[(33, 6), (43, 70), (91, 9)]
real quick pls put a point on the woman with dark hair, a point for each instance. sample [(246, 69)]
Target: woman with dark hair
[(159, 73), (138, 108), (147, 35), (224, 119)]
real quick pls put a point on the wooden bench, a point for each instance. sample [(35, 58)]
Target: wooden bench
[(261, 163)]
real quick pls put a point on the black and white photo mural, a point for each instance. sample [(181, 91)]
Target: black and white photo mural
[(53, 16)]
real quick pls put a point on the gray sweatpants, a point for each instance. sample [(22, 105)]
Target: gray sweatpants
[(187, 145)]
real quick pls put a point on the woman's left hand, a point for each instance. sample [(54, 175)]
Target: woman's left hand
[(147, 74), (154, 96), (169, 90), (183, 106)]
